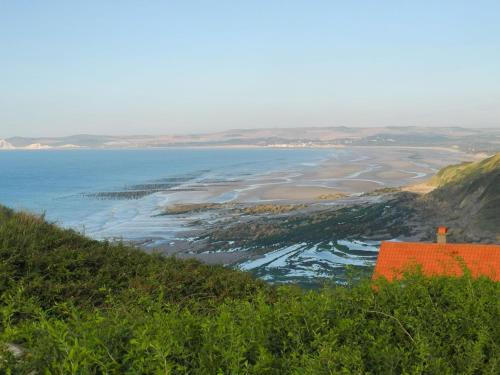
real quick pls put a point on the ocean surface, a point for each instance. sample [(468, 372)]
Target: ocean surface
[(87, 190)]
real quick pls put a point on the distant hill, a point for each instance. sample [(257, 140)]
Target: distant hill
[(469, 140)]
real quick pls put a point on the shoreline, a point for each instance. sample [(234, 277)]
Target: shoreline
[(342, 180), (242, 146), (337, 177), (221, 213)]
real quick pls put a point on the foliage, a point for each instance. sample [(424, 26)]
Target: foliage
[(467, 170), (76, 306), (56, 265)]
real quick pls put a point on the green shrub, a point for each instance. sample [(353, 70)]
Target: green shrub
[(56, 265), (76, 306)]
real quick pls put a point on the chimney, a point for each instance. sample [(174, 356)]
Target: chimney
[(441, 234)]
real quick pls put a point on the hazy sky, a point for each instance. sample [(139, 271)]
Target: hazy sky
[(125, 67)]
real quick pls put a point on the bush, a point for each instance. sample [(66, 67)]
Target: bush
[(55, 265), (75, 306)]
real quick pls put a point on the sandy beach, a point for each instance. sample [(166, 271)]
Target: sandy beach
[(349, 171), (337, 181)]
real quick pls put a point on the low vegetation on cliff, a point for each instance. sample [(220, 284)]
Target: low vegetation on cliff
[(472, 189), (71, 305)]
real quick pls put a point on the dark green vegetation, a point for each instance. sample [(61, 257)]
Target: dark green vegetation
[(56, 265), (70, 305)]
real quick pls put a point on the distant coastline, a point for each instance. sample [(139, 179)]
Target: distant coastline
[(464, 139)]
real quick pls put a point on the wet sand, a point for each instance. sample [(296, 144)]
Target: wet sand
[(338, 181), (350, 171)]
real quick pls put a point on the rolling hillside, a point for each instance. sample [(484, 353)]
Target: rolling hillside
[(70, 305), (470, 140), (469, 194)]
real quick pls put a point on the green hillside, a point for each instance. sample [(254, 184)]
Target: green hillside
[(55, 265), (70, 305), (472, 189), (463, 172)]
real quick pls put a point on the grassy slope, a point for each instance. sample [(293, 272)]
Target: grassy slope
[(74, 305), (56, 265), (465, 171), (472, 189)]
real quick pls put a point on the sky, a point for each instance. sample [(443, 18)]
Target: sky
[(174, 67)]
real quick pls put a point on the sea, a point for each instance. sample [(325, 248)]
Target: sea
[(117, 194)]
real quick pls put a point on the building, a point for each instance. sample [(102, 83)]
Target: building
[(439, 258)]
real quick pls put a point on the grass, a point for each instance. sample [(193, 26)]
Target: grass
[(455, 174), (472, 188), (56, 265), (77, 306)]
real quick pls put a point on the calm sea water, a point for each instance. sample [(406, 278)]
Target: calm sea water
[(58, 182)]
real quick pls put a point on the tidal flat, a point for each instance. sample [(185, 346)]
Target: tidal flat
[(229, 206), (314, 224)]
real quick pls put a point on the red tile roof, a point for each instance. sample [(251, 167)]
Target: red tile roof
[(438, 259)]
